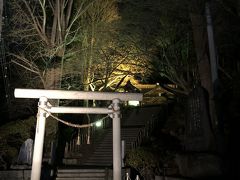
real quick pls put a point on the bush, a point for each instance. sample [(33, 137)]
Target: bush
[(13, 134), (144, 161)]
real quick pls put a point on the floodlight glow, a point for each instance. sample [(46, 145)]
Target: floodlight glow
[(133, 103), (98, 123)]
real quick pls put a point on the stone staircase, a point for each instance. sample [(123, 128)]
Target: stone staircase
[(86, 174), (132, 129), (102, 156)]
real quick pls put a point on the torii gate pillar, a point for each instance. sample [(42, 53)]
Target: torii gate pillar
[(116, 125), (39, 139)]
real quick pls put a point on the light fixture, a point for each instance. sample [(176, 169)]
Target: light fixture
[(133, 103), (98, 123), (78, 138)]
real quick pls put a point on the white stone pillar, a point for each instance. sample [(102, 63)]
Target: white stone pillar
[(116, 117), (39, 139), (123, 151)]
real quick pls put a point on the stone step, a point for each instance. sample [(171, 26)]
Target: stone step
[(80, 170), (129, 132), (81, 174), (81, 178), (103, 152), (99, 157), (99, 163), (106, 151)]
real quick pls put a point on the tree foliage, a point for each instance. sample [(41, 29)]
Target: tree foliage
[(40, 33), (73, 45), (100, 45), (144, 161), (164, 34)]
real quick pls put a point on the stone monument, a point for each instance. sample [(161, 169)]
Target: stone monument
[(26, 152)]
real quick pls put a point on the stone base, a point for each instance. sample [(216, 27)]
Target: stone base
[(197, 165), (15, 175)]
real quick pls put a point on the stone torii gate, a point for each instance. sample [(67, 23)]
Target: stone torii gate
[(43, 108)]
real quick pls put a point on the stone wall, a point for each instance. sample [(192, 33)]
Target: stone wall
[(15, 174)]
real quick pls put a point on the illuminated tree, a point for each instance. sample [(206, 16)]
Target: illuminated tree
[(102, 57), (163, 33), (41, 32), (93, 36)]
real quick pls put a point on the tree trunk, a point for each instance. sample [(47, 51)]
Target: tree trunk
[(1, 18), (201, 49), (52, 82), (52, 78)]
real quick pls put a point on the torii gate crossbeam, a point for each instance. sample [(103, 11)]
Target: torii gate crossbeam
[(43, 108)]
